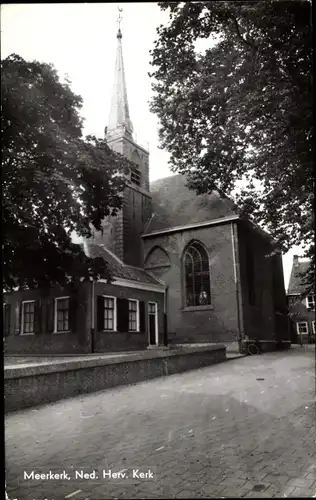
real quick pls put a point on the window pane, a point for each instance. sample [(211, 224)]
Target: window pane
[(108, 313), (109, 324), (302, 328), (62, 306), (197, 279), (132, 315), (28, 317), (132, 305)]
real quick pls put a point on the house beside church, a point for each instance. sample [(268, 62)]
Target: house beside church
[(301, 306), (185, 267)]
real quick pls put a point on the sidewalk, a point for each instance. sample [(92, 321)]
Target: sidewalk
[(240, 429)]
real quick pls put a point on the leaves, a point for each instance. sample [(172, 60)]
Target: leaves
[(54, 180), (239, 115)]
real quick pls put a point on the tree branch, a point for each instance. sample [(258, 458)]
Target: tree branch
[(246, 42)]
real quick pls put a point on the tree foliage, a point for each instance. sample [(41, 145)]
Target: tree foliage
[(54, 181), (238, 116)]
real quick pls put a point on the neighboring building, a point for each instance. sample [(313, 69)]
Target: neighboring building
[(183, 264), (92, 317), (301, 306)]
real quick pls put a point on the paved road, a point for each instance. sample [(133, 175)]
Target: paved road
[(242, 428)]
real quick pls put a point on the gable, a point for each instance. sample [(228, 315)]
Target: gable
[(174, 204)]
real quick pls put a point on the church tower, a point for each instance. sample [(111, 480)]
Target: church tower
[(122, 234)]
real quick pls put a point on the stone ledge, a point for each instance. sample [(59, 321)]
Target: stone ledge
[(31, 386), (75, 364)]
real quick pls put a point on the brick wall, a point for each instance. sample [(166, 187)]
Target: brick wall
[(217, 323), (129, 148), (124, 238), (44, 384), (137, 206), (79, 340), (136, 212), (299, 313), (44, 340), (266, 316), (230, 316), (116, 341)]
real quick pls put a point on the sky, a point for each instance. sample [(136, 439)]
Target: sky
[(80, 41)]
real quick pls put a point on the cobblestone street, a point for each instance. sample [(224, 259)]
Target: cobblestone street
[(242, 428)]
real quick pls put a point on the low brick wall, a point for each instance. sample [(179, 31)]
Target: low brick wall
[(273, 346), (27, 386)]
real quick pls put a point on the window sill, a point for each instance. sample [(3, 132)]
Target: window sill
[(25, 334), (206, 307), (116, 331), (60, 333)]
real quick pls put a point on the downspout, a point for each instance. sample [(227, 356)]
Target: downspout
[(92, 318), (240, 329), (92, 347), (165, 318)]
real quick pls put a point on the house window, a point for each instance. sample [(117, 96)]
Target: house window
[(313, 327), (302, 327), (61, 314), (310, 302), (133, 316), (197, 275), (135, 176), (28, 317), (109, 313)]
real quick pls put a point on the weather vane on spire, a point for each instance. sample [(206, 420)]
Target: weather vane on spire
[(119, 19)]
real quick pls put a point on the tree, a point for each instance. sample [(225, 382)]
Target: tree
[(54, 181), (238, 116)]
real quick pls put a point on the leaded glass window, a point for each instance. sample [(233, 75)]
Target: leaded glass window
[(197, 276)]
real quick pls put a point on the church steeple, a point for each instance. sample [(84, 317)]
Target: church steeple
[(122, 233), (119, 120)]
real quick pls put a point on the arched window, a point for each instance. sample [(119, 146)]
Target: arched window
[(197, 275)]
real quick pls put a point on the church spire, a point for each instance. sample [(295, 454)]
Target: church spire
[(119, 119)]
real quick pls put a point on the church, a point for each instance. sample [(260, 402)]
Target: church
[(186, 269)]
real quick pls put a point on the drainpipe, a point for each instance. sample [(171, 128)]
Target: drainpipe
[(92, 318), (165, 318), (240, 329)]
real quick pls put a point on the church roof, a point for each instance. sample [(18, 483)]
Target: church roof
[(117, 267), (296, 285), (174, 204)]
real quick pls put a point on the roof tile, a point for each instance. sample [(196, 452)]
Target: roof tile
[(296, 284), (174, 204), (118, 268)]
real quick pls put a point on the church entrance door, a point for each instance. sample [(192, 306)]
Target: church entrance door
[(153, 323)]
